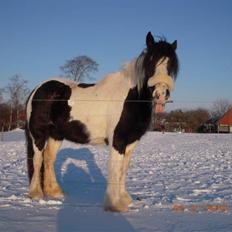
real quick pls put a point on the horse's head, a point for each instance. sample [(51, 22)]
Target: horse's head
[(161, 68)]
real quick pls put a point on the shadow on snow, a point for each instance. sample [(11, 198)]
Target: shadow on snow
[(84, 187)]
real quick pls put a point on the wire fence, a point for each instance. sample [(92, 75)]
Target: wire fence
[(121, 100)]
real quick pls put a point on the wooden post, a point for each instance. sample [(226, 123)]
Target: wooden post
[(2, 130), (11, 117)]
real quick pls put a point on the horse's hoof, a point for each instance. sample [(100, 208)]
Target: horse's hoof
[(57, 196), (36, 195), (56, 193), (126, 199), (115, 207)]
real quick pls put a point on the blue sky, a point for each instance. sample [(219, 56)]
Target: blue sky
[(37, 37)]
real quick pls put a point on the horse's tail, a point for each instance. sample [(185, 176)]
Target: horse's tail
[(30, 153)]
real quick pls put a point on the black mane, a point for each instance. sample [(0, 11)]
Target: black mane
[(165, 49)]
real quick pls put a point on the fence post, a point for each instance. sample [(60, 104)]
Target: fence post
[(2, 132)]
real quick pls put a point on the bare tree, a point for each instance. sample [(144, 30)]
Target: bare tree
[(220, 107), (1, 113), (18, 92), (79, 68), (4, 116)]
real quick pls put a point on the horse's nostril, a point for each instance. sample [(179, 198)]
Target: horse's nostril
[(157, 96), (167, 94)]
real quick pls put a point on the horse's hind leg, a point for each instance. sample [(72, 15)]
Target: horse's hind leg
[(35, 189), (51, 187)]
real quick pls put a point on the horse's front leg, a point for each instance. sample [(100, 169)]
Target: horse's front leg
[(113, 192), (125, 196)]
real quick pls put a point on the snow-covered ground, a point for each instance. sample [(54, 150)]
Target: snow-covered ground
[(179, 182)]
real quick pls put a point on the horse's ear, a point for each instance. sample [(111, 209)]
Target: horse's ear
[(174, 45), (150, 41)]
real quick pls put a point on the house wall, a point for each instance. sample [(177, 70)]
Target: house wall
[(224, 128)]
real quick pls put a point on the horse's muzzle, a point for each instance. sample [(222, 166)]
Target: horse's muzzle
[(161, 95)]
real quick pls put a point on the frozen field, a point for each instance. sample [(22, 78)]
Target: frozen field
[(179, 182)]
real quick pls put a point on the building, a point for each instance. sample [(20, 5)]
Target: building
[(225, 123)]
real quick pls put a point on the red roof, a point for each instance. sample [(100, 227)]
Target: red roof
[(227, 118)]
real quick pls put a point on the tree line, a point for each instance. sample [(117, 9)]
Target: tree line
[(197, 120), (12, 110)]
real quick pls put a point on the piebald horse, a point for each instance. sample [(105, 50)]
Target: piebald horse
[(116, 111)]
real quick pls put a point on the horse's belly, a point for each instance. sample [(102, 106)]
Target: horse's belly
[(98, 140), (97, 129), (93, 115)]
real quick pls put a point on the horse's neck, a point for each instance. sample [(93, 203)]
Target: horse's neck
[(118, 86), (113, 86)]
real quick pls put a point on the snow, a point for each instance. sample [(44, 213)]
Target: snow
[(179, 182)]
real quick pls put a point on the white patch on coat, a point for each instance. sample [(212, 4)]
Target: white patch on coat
[(162, 67), (100, 106), (29, 105), (161, 80)]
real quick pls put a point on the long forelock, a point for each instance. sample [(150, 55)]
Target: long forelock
[(135, 71), (174, 66)]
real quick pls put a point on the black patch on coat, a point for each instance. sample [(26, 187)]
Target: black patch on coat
[(134, 120), (74, 131), (85, 85), (50, 115)]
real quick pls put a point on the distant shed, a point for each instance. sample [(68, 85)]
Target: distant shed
[(225, 123)]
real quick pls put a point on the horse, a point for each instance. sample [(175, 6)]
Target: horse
[(117, 111)]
